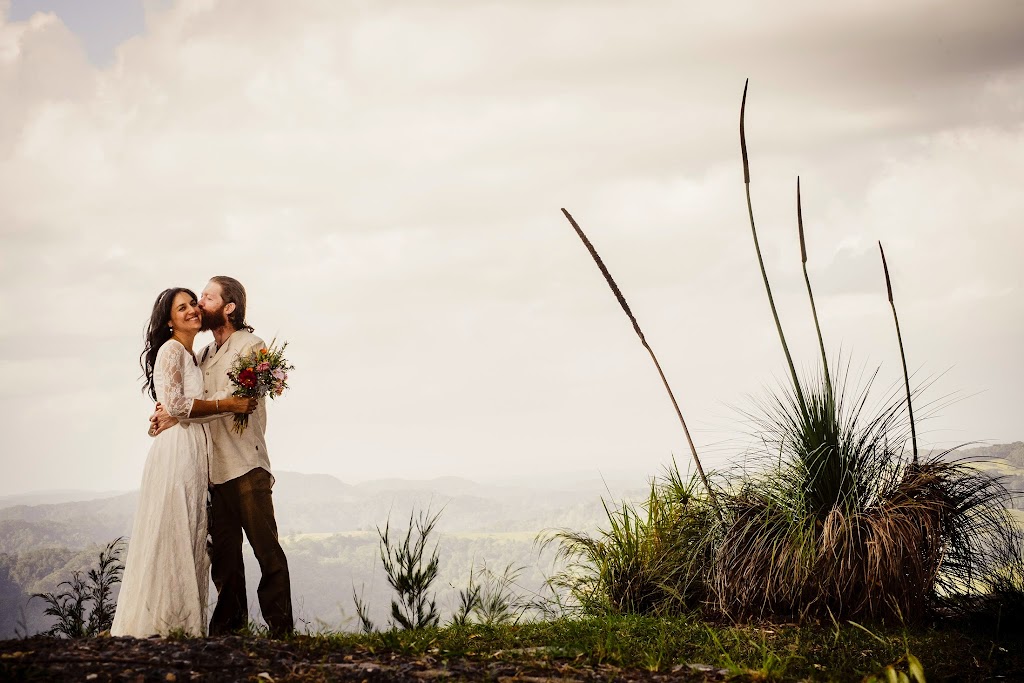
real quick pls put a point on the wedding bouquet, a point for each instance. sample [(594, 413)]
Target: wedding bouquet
[(259, 373)]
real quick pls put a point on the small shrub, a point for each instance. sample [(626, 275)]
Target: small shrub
[(410, 572), (71, 605)]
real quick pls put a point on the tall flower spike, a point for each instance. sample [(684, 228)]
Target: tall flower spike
[(903, 356), (636, 327), (810, 294), (757, 248)]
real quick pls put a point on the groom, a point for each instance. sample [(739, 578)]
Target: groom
[(239, 475)]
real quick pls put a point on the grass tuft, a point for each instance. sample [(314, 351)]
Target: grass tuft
[(654, 558)]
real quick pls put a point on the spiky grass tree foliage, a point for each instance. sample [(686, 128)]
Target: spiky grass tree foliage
[(1003, 604), (653, 558), (860, 531)]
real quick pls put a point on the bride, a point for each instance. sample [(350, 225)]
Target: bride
[(166, 575)]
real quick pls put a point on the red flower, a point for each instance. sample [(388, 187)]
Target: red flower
[(247, 378)]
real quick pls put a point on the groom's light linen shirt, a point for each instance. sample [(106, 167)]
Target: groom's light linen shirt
[(231, 454)]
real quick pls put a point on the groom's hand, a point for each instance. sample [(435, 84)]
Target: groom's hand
[(160, 420)]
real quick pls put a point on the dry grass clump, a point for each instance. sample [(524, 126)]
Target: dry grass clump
[(934, 532)]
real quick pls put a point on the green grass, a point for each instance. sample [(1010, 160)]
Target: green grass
[(654, 558), (783, 652)]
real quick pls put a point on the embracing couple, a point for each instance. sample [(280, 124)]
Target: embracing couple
[(195, 450)]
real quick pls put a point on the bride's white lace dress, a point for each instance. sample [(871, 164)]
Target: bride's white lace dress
[(166, 575)]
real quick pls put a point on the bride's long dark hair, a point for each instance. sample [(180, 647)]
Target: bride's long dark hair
[(157, 334)]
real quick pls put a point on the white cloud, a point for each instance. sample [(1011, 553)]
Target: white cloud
[(386, 181)]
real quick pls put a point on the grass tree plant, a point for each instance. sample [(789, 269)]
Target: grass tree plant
[(844, 524), (839, 523)]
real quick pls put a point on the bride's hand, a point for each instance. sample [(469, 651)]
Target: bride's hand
[(242, 405)]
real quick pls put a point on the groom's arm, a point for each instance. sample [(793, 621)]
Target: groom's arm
[(161, 419)]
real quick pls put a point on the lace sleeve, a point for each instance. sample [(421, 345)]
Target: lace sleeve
[(169, 378)]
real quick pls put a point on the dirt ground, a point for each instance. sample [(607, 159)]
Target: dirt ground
[(253, 659)]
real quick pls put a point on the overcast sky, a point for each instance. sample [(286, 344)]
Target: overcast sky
[(386, 177)]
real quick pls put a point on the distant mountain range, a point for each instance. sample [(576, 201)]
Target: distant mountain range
[(1006, 453), (320, 503), (51, 497)]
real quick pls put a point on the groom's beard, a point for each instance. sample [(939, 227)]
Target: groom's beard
[(213, 320)]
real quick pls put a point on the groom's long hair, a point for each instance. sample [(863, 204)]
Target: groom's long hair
[(157, 334), (232, 292)]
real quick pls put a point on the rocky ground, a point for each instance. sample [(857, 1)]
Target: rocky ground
[(254, 659)]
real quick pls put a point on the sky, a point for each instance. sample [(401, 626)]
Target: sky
[(386, 179)]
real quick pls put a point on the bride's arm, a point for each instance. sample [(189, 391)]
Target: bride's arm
[(170, 388), (169, 382), (162, 420)]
